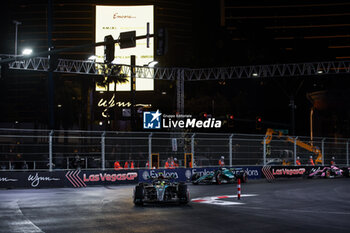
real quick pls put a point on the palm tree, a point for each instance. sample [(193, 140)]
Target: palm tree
[(110, 74)]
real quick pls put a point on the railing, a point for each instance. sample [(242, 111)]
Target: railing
[(61, 150)]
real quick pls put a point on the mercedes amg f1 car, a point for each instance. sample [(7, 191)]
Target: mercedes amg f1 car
[(161, 190), (328, 172), (220, 176)]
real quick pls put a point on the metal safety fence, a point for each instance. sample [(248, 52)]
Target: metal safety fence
[(23, 149)]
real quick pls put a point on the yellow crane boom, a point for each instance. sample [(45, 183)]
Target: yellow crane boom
[(299, 143)]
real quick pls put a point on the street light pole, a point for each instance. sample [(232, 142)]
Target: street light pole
[(16, 32), (51, 87), (292, 108), (133, 90)]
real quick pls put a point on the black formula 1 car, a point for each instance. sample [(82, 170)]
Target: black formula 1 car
[(222, 175), (161, 190)]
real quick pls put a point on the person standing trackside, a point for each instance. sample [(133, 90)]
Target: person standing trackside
[(167, 163), (222, 161), (172, 163), (176, 165), (333, 161), (311, 161), (117, 165), (126, 165)]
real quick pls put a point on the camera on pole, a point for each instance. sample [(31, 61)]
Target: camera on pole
[(109, 49)]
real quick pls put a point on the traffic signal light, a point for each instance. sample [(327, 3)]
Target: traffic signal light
[(230, 120), (127, 39), (205, 115), (109, 49), (162, 41), (258, 122)]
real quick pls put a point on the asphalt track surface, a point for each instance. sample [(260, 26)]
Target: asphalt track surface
[(283, 206)]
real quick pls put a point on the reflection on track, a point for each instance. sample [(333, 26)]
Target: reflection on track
[(282, 206), (223, 199)]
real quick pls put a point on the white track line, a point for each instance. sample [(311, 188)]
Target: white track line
[(31, 227)]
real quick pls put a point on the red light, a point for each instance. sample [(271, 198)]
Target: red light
[(231, 117), (259, 119), (205, 115)]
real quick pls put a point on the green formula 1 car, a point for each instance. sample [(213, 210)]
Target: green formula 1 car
[(221, 176)]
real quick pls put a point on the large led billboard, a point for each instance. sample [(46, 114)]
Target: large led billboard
[(112, 20)]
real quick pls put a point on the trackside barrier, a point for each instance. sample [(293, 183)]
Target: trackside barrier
[(47, 150), (69, 178), (274, 172), (86, 178), (185, 174)]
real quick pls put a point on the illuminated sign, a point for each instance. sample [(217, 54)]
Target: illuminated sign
[(286, 171), (106, 104), (110, 177), (112, 20)]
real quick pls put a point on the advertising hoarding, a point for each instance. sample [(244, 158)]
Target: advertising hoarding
[(112, 20)]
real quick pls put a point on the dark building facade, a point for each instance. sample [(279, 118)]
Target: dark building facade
[(24, 94), (201, 34)]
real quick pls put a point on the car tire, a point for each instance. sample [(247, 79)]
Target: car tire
[(327, 174), (138, 195), (183, 194), (195, 176)]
